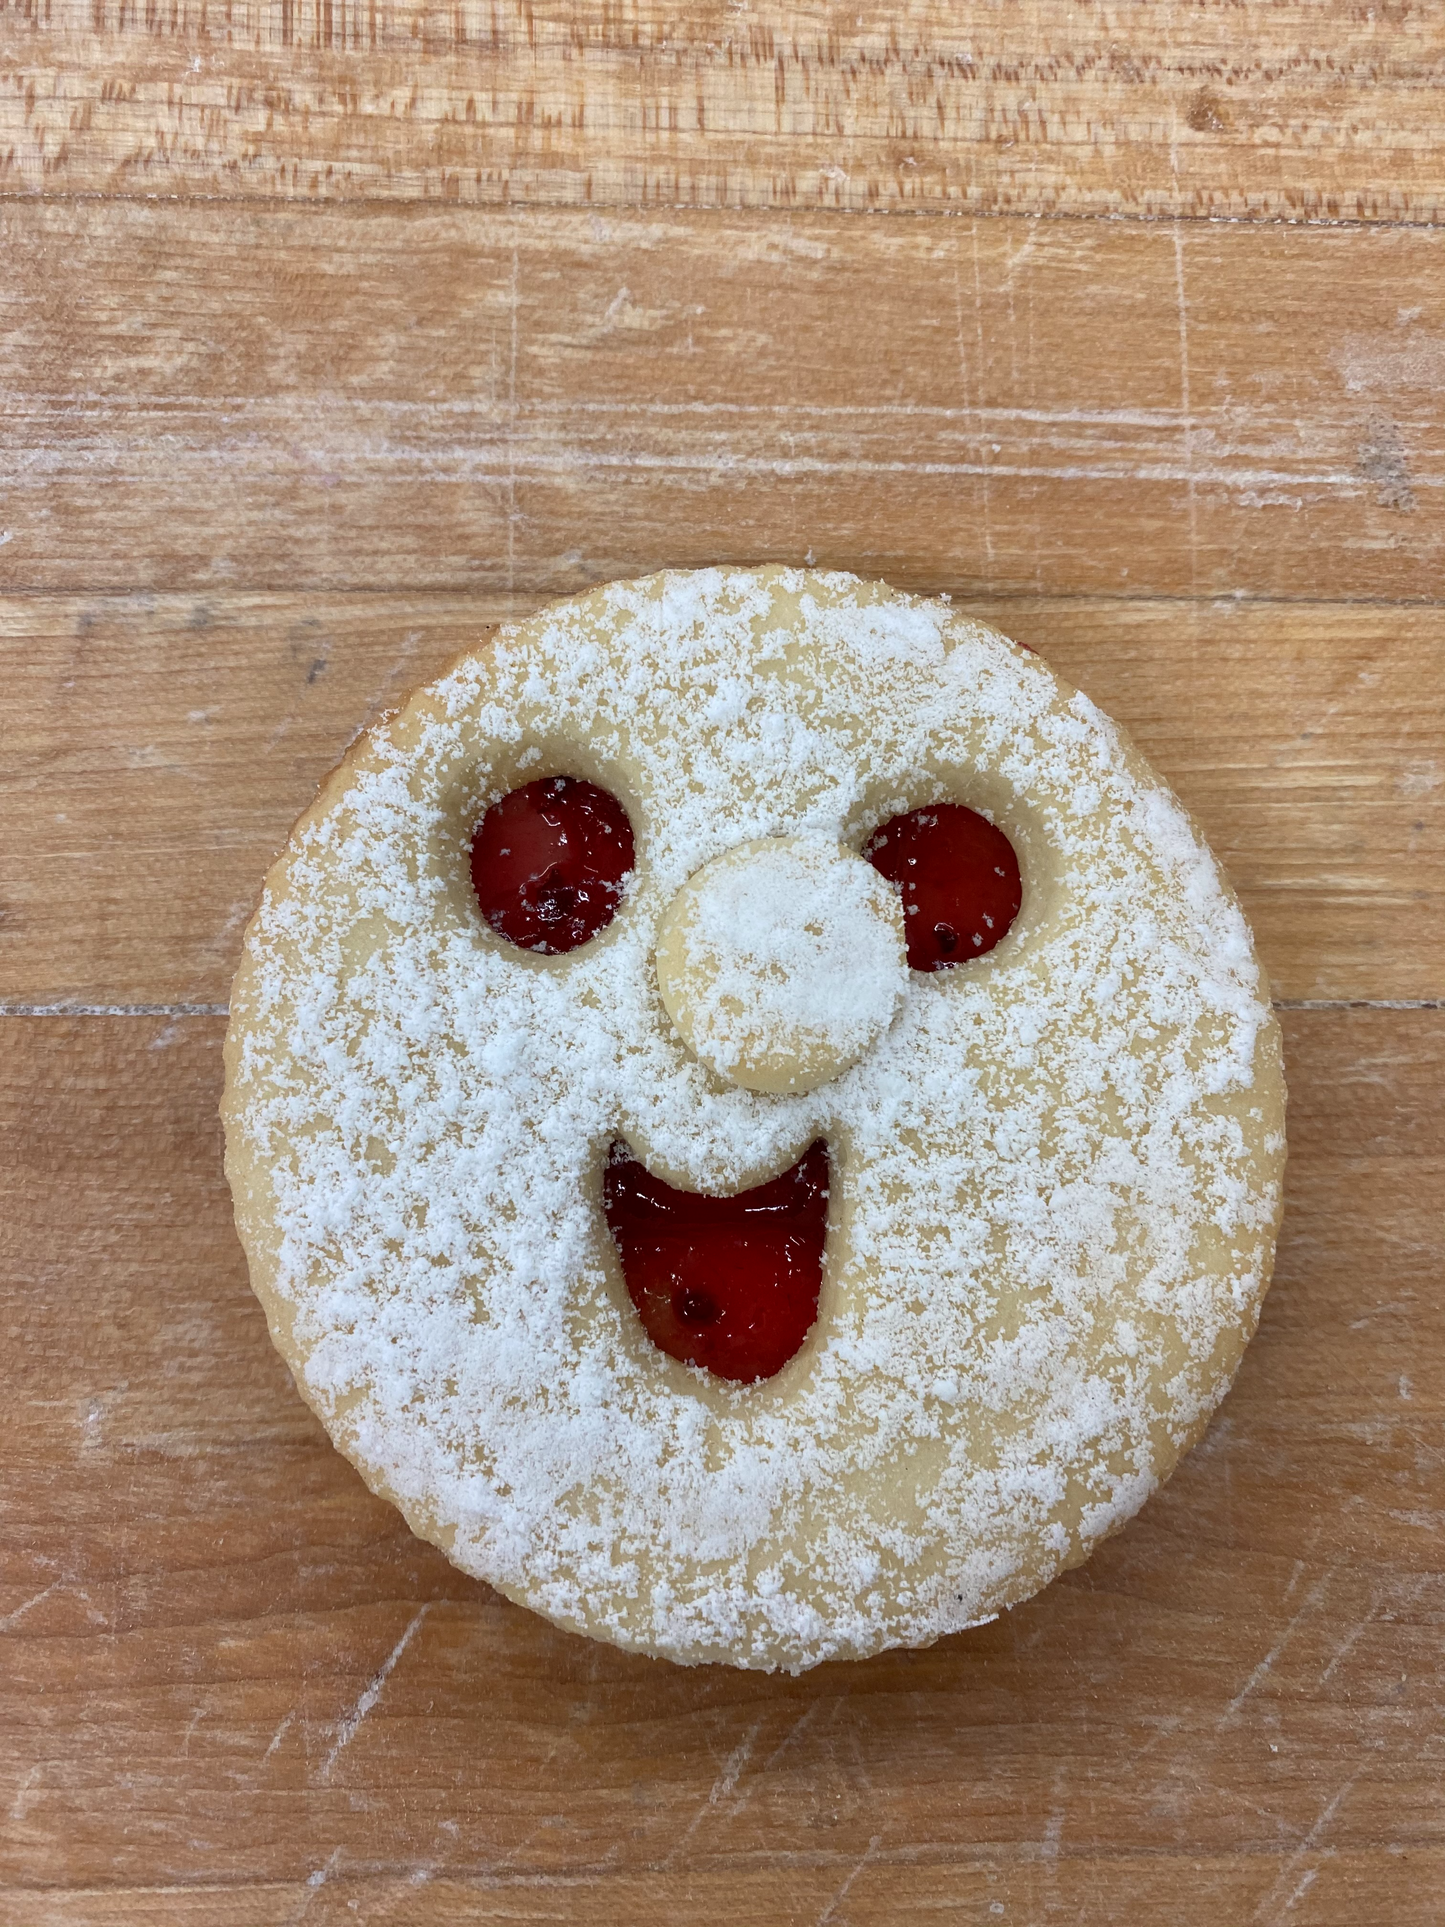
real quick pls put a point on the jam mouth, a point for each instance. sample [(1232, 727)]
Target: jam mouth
[(730, 1284)]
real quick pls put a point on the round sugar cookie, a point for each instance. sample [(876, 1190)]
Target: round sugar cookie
[(1053, 1165)]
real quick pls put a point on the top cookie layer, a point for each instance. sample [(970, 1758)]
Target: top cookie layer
[(1055, 1175)]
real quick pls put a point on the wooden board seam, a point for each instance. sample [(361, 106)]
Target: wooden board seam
[(223, 1010), (530, 602), (517, 204)]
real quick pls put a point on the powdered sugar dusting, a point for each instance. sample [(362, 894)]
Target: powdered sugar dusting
[(1055, 1172), (790, 954)]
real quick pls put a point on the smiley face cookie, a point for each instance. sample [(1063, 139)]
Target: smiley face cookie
[(754, 1118)]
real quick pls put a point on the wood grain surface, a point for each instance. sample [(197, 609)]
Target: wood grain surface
[(219, 396), (331, 336), (1318, 108)]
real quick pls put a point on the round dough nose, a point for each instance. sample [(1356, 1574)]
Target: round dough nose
[(782, 961)]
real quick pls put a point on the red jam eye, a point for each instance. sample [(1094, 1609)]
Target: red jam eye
[(959, 878), (727, 1283), (549, 863)]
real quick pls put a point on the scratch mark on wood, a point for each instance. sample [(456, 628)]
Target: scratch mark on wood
[(1300, 1891), (794, 1732), (500, 1869), (1184, 404), (1347, 1644), (1016, 260), (1395, 1306), (1054, 1830), (281, 1731), (860, 1758), (22, 1798), (972, 388), (512, 427), (13, 1618), (1313, 1598), (1308, 1845), (721, 1789), (842, 1894), (351, 1725), (315, 1881)]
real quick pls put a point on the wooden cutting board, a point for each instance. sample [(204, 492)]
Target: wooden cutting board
[(332, 335)]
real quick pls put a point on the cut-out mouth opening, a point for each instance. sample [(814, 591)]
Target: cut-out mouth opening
[(730, 1284)]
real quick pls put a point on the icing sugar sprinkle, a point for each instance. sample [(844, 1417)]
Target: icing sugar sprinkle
[(1055, 1174), (790, 952)]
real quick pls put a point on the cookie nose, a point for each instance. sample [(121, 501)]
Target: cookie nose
[(782, 961)]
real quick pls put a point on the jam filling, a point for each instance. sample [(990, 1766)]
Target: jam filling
[(550, 861), (730, 1284), (959, 880)]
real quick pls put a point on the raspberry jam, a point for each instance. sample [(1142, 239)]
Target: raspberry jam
[(727, 1283), (959, 878), (549, 863)]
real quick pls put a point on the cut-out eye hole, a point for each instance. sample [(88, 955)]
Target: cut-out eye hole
[(959, 879), (550, 861)]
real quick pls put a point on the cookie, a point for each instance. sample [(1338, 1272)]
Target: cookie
[(820, 1195)]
